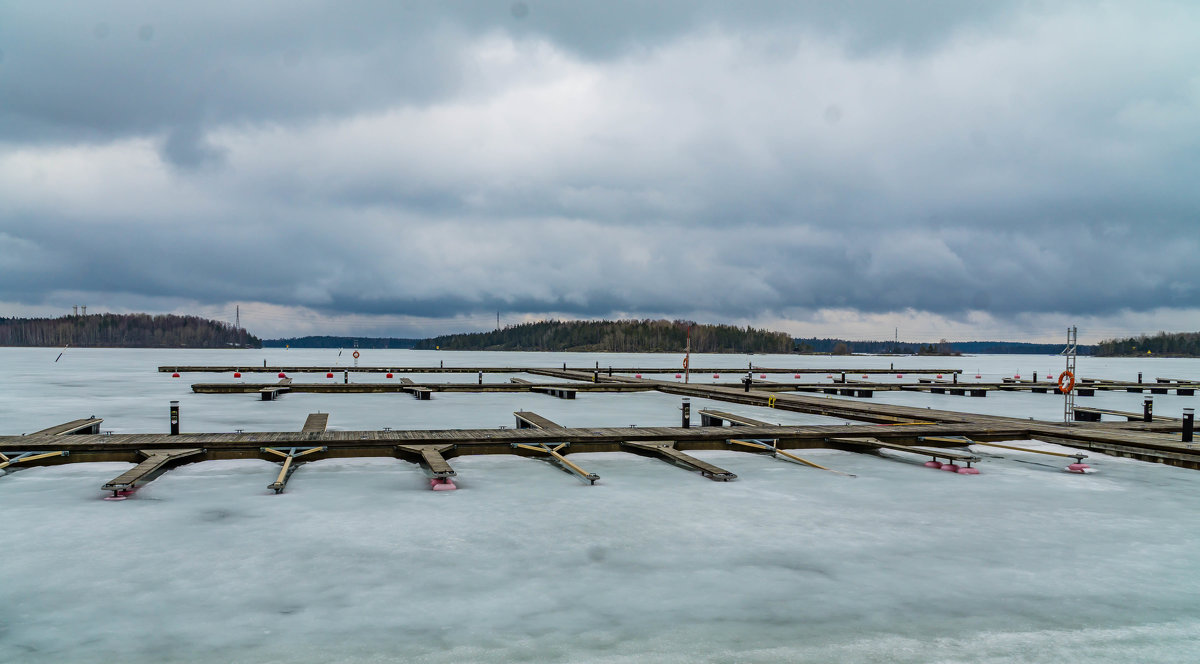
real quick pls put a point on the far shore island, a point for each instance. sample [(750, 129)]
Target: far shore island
[(590, 336)]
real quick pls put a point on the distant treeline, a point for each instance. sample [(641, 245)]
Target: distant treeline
[(124, 331), (340, 342), (943, 347), (624, 336), (1179, 344)]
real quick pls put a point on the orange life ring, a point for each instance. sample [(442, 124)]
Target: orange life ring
[(356, 355), (685, 363), (1069, 380)]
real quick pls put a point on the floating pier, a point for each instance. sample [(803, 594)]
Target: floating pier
[(942, 435)]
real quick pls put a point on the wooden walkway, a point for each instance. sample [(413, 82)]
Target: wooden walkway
[(523, 369), (918, 431)]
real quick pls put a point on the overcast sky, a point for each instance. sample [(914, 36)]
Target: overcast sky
[(954, 169)]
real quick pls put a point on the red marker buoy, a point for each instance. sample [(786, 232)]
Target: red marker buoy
[(865, 376), (237, 374), (389, 375), (939, 375), (175, 375), (679, 375), (1018, 376), (329, 375), (978, 376), (762, 375), (282, 375), (899, 375), (637, 375), (797, 376), (716, 375)]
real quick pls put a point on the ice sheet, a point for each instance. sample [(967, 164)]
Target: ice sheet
[(359, 562)]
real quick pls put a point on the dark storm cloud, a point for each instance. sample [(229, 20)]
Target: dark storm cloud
[(588, 159)]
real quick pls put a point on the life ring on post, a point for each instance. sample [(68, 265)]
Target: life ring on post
[(685, 363), (355, 354), (1066, 382)]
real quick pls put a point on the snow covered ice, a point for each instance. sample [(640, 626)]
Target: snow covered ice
[(359, 562)]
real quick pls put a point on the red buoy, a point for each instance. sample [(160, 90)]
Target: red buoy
[(1018, 376), (978, 376), (939, 375), (899, 375), (389, 375), (282, 375), (175, 375), (716, 375), (679, 375), (637, 375), (329, 375), (865, 376), (237, 374), (762, 375), (797, 376)]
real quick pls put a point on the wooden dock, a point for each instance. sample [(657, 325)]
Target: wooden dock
[(609, 370), (871, 427)]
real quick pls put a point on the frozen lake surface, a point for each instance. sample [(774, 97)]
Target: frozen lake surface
[(359, 562)]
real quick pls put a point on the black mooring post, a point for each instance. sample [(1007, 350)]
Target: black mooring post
[(564, 366), (441, 364), (955, 377), (1148, 409), (687, 413), (481, 378), (843, 376), (595, 376), (1189, 418), (746, 381), (174, 418), (1035, 376), (610, 370), (1139, 378)]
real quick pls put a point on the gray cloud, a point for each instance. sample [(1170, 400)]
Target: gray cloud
[(757, 162)]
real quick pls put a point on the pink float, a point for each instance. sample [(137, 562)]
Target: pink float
[(237, 374), (329, 375), (933, 464), (1018, 376), (797, 376), (389, 375), (968, 471), (949, 467), (175, 375), (939, 375), (282, 375), (899, 375), (978, 376), (1078, 468), (637, 375), (679, 375), (762, 375), (119, 495), (442, 484), (716, 375)]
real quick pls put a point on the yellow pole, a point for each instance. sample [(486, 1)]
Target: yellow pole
[(287, 463), (34, 457)]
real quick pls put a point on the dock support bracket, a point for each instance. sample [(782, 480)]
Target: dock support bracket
[(289, 466), (26, 457), (562, 460), (772, 447)]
